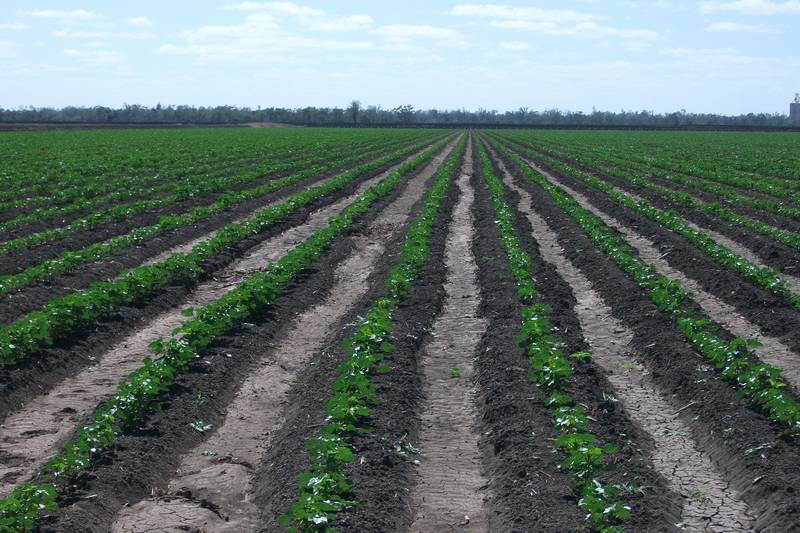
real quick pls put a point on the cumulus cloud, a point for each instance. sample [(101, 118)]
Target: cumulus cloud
[(753, 7), (64, 16), (405, 34), (556, 22), (736, 27), (13, 26), (96, 56), (309, 17), (258, 39), (512, 46), (140, 22), (102, 34), (535, 14)]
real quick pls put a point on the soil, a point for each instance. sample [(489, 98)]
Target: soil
[(765, 248), (135, 468), (774, 315), (709, 504), (471, 450), (41, 372), (741, 442), (450, 487)]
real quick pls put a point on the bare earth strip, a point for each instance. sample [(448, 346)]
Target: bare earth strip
[(792, 281), (709, 504), (33, 434), (224, 481), (450, 492), (187, 247), (771, 351)]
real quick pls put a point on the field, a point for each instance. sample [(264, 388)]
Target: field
[(399, 330)]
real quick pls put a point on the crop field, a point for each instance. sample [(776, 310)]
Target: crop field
[(422, 330)]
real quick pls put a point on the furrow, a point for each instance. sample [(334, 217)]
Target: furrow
[(450, 490), (792, 281), (224, 480), (31, 435), (771, 351), (709, 504)]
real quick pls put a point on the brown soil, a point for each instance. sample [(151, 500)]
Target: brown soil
[(774, 315), (451, 488), (152, 452), (740, 441), (39, 373), (55, 414), (708, 502), (772, 350)]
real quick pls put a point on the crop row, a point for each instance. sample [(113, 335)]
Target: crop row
[(62, 317), (763, 384), (135, 395), (199, 186), (174, 187), (552, 371), (766, 278), (685, 199), (720, 189), (322, 489), (126, 163), (57, 175), (69, 260), (52, 164), (747, 155)]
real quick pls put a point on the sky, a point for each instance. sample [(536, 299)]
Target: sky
[(729, 57)]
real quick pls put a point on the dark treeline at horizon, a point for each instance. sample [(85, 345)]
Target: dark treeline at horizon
[(375, 115)]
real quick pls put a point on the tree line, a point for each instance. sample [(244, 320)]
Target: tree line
[(356, 114)]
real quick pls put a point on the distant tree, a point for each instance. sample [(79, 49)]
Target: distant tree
[(354, 110), (404, 113)]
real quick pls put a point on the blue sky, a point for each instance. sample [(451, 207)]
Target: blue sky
[(707, 56)]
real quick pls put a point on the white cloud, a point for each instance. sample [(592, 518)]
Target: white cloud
[(309, 17), (140, 22), (400, 36), (710, 56), (534, 14), (753, 7), (636, 46), (8, 49), (96, 57), (13, 26), (280, 8), (736, 27), (549, 21), (258, 39), (63, 16), (591, 30), (103, 34), (513, 46)]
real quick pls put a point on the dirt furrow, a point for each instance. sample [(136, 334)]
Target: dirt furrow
[(709, 504), (771, 351), (219, 473), (31, 435), (792, 281), (25, 299), (449, 494)]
